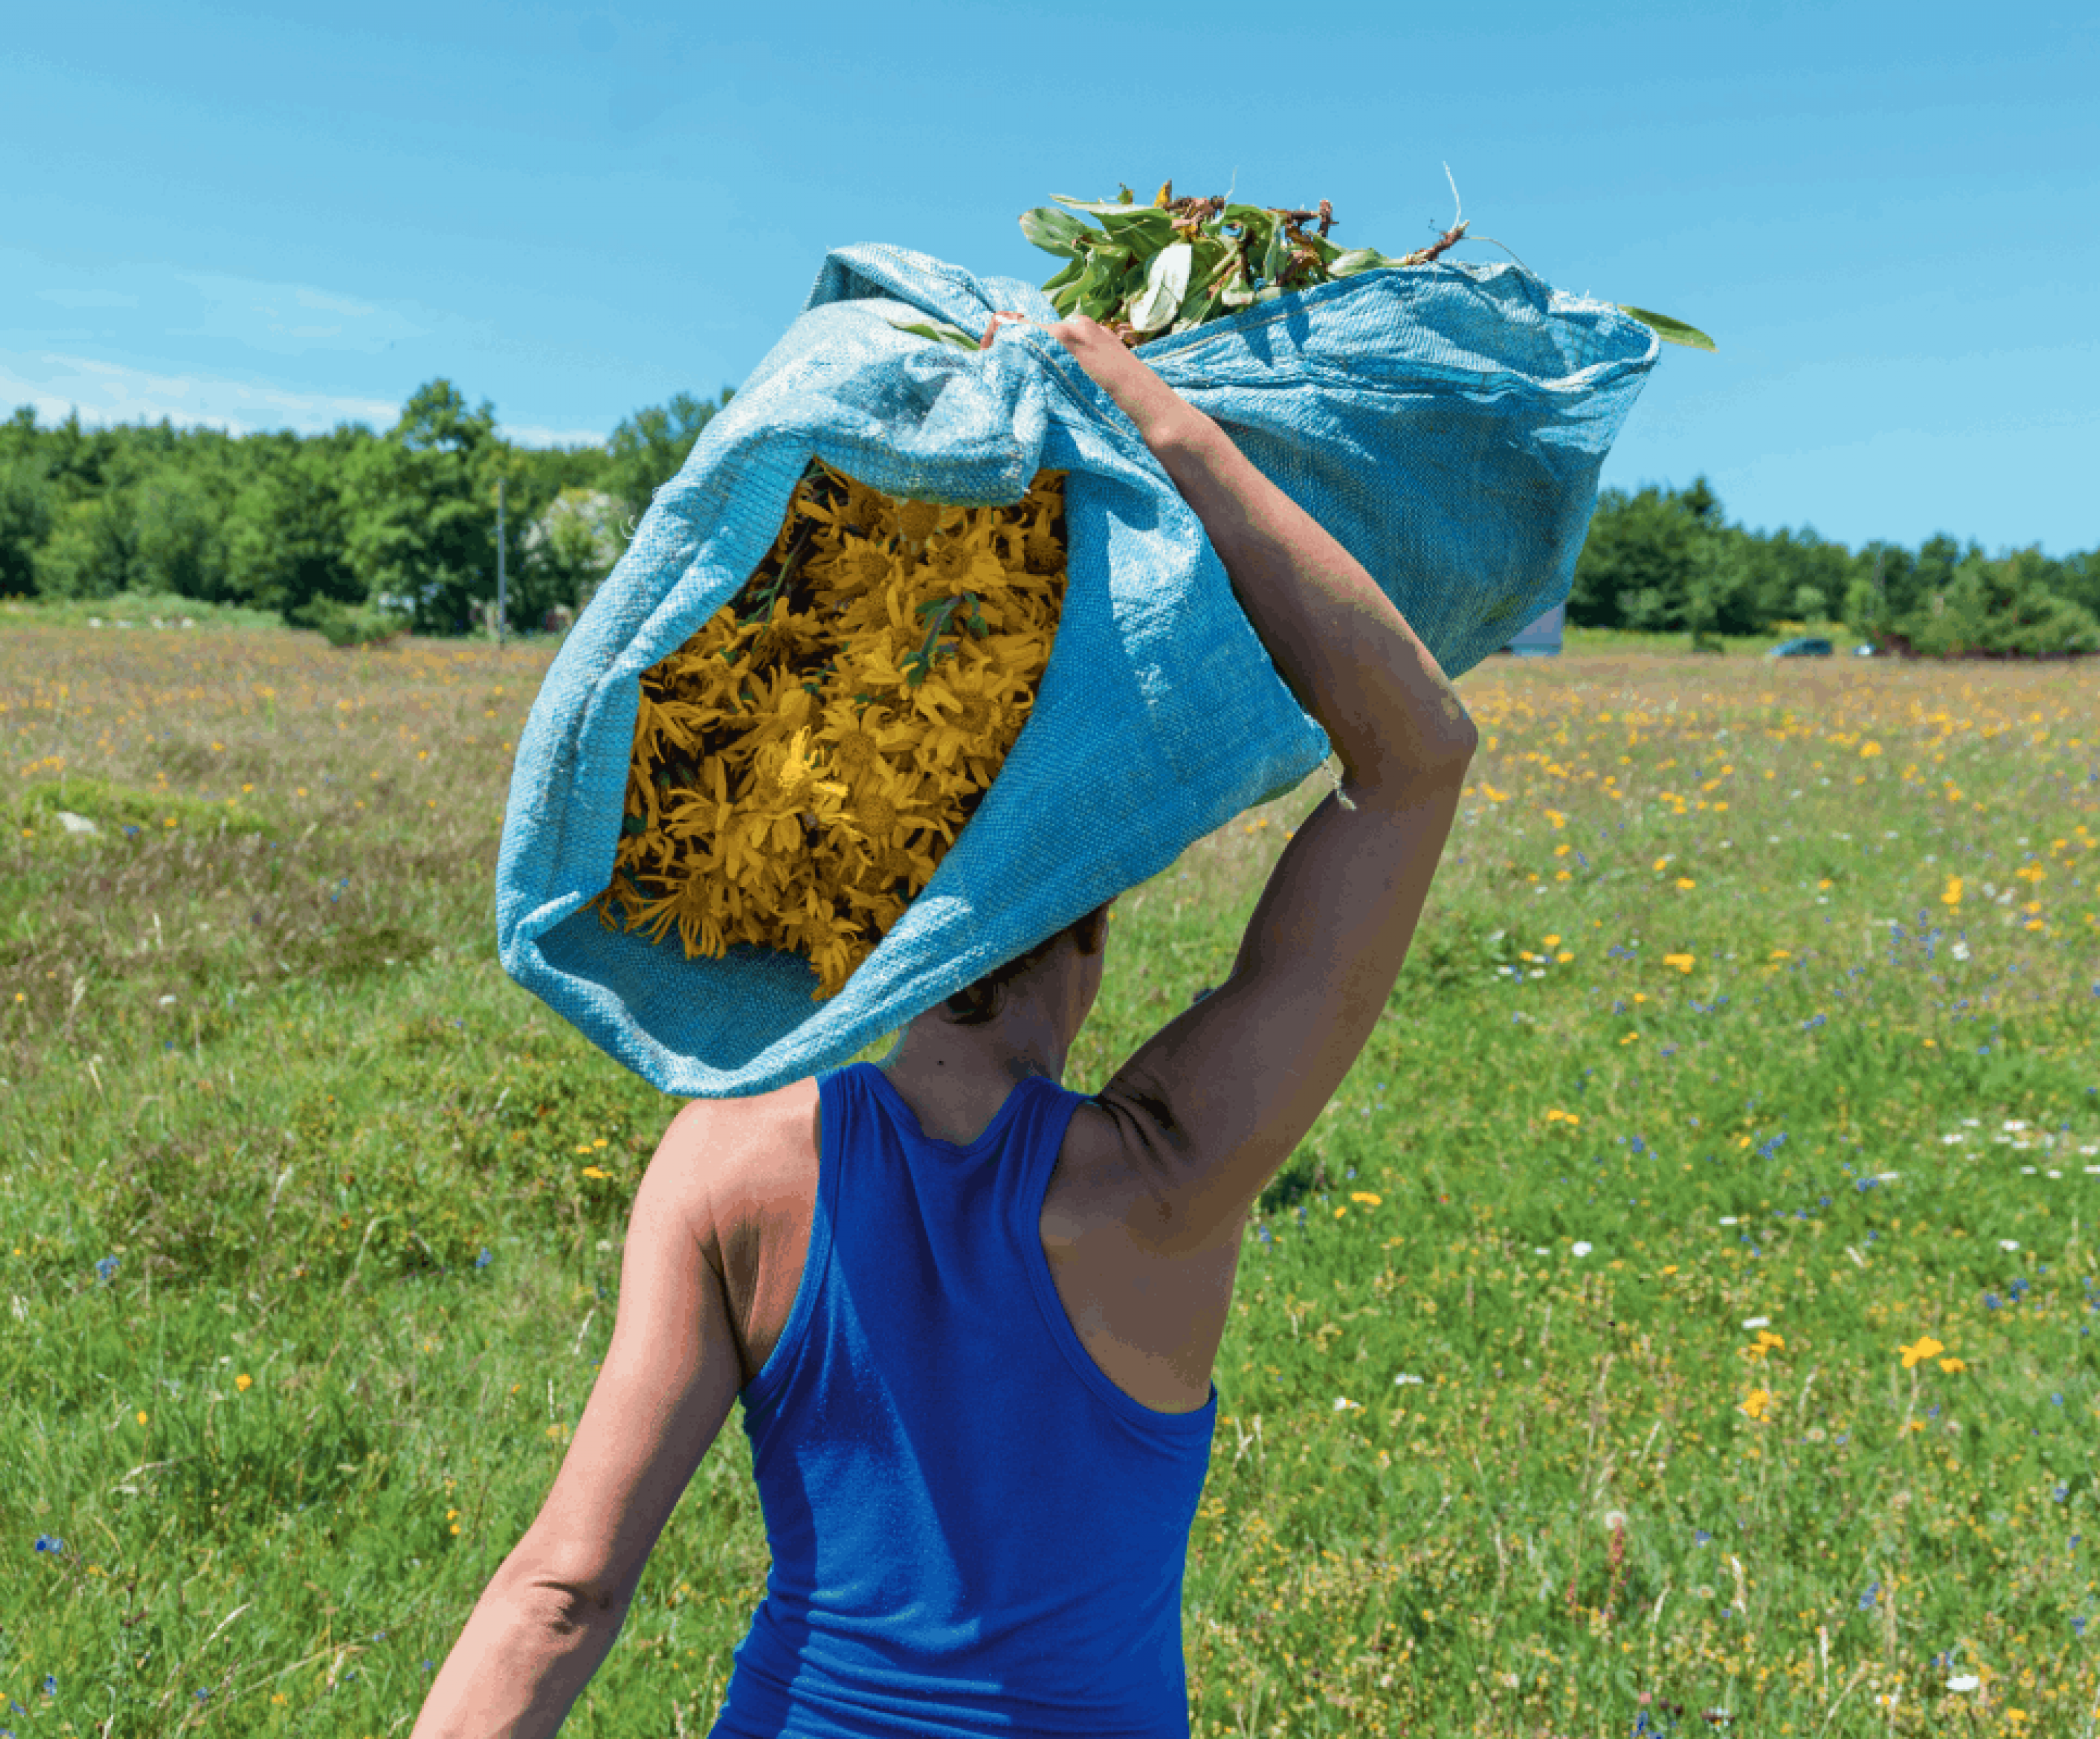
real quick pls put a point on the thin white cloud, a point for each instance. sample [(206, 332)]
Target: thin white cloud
[(262, 313), (89, 298), (314, 299), (105, 392), (531, 434)]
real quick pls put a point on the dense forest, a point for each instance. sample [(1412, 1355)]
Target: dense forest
[(358, 533)]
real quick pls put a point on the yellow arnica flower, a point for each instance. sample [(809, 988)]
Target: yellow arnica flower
[(804, 761)]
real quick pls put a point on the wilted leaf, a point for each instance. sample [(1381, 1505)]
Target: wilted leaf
[(1670, 331), (1165, 283), (1355, 260), (1094, 207)]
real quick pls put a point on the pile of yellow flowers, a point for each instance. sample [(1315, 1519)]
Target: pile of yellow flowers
[(802, 764)]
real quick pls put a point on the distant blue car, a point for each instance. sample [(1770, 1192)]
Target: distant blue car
[(1807, 647)]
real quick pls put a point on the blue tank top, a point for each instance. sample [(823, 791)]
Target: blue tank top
[(973, 1530)]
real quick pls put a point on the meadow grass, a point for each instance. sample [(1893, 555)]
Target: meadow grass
[(1747, 1050)]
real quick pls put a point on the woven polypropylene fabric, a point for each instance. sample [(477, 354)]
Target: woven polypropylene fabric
[(1446, 423)]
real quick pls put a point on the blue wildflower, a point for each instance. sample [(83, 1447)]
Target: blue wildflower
[(1867, 1600), (105, 1268), (45, 1542)]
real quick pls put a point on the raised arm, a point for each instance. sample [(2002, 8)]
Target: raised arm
[(1212, 1105)]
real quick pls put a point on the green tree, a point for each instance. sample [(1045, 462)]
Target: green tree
[(1642, 558), (2003, 609), (88, 552), (26, 502), (647, 449), (286, 541), (179, 516), (570, 547), (420, 511)]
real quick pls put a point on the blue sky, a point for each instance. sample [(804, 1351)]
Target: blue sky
[(280, 218)]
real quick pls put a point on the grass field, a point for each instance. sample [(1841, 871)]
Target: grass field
[(1685, 1305)]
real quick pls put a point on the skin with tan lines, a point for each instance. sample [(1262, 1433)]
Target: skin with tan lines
[(1147, 1201)]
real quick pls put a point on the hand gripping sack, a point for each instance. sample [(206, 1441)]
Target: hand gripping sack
[(1446, 423)]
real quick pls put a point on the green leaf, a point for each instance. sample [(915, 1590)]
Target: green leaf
[(1275, 255), (1072, 269), (1166, 284), (1140, 227), (1053, 230), (1202, 305), (940, 331), (1670, 331)]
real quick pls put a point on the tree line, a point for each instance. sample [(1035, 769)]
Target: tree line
[(353, 531), (357, 532), (1667, 561)]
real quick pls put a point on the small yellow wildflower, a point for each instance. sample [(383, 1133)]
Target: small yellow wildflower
[(1682, 962), (1757, 1403), (1925, 1348), (244, 1382)]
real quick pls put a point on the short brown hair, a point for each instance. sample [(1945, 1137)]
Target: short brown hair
[(977, 1003)]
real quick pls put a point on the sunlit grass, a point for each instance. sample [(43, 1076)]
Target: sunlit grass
[(1748, 991)]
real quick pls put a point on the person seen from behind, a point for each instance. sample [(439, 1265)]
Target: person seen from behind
[(971, 1314)]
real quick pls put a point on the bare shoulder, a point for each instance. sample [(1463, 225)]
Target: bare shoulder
[(1210, 1108), (734, 1165)]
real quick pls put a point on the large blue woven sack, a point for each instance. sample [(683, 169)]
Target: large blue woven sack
[(1445, 422)]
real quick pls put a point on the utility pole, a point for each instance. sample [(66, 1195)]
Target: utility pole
[(502, 579)]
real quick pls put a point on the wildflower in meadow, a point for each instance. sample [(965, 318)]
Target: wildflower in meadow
[(1757, 1404), (1924, 1348)]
